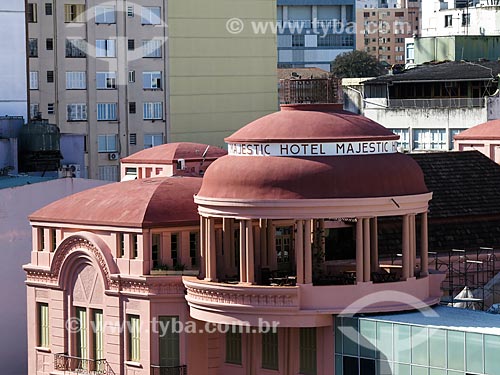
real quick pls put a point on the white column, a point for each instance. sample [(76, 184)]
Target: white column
[(406, 247), (307, 253), (343, 15), (424, 245), (413, 247), (211, 272), (299, 251), (202, 247), (243, 244), (374, 244), (250, 252), (263, 243), (271, 246), (359, 250), (366, 250)]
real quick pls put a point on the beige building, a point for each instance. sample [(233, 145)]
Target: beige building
[(382, 31), (132, 75)]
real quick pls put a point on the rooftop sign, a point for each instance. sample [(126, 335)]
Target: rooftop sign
[(313, 149)]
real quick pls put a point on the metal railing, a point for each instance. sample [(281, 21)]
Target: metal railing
[(168, 370), (438, 103), (64, 362)]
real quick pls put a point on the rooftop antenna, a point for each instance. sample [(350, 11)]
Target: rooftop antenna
[(204, 156)]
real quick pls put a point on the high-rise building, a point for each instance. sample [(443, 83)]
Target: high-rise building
[(313, 33), (13, 87), (132, 75), (383, 27)]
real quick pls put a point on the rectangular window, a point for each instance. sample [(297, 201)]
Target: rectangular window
[(50, 108), (106, 143), (307, 344), (41, 239), (155, 248), (75, 48), (105, 14), (131, 107), (53, 240), (466, 19), (121, 245), (130, 11), (131, 76), (50, 76), (43, 325), (151, 140), (106, 112), (98, 339), (48, 9), (33, 47), (193, 247), (77, 112), (169, 342), (131, 44), (298, 40), (34, 110), (233, 346), (151, 80), (404, 138), (150, 16), (429, 139), (270, 355), (31, 13), (151, 48), (108, 173), (153, 111), (105, 48), (174, 248), (82, 344), (49, 44), (76, 80), (74, 12), (133, 138), (135, 246), (106, 80), (448, 20), (33, 80), (134, 341)]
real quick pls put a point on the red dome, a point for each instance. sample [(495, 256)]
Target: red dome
[(312, 177)]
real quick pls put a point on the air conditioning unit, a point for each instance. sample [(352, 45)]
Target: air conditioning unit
[(181, 164), (70, 171), (113, 156)]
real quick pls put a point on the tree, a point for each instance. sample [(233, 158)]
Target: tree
[(356, 64)]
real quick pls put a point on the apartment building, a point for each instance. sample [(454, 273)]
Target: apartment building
[(381, 30), (132, 75), (13, 87), (313, 33)]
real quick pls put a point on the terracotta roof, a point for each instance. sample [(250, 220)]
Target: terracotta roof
[(302, 73), (146, 203), (487, 131), (312, 122), (170, 152)]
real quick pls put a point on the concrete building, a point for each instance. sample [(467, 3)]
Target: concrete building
[(131, 76), (429, 104), (313, 33), (381, 31), (20, 196), (13, 84), (460, 17)]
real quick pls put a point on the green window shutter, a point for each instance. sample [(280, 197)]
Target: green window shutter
[(307, 351), (233, 347), (134, 338), (81, 334), (43, 325), (270, 356), (169, 341)]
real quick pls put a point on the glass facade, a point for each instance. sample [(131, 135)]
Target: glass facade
[(368, 346)]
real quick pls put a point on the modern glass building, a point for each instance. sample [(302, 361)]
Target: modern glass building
[(438, 341)]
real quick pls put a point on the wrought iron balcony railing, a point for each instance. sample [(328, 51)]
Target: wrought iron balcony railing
[(64, 362), (168, 370)]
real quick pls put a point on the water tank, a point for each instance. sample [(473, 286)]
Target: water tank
[(40, 136), (10, 126)]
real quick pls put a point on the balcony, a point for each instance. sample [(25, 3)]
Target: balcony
[(168, 370), (76, 365), (438, 103)]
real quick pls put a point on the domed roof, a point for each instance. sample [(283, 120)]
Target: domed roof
[(170, 152), (143, 203), (488, 131), (312, 152)]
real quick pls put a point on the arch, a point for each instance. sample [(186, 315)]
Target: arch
[(82, 247)]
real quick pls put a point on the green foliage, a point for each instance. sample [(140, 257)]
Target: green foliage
[(356, 64)]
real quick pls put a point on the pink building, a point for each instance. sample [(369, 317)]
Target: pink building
[(226, 257), (483, 137)]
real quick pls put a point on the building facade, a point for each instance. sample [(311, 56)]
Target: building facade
[(460, 18), (128, 75), (381, 30), (313, 33), (13, 90)]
